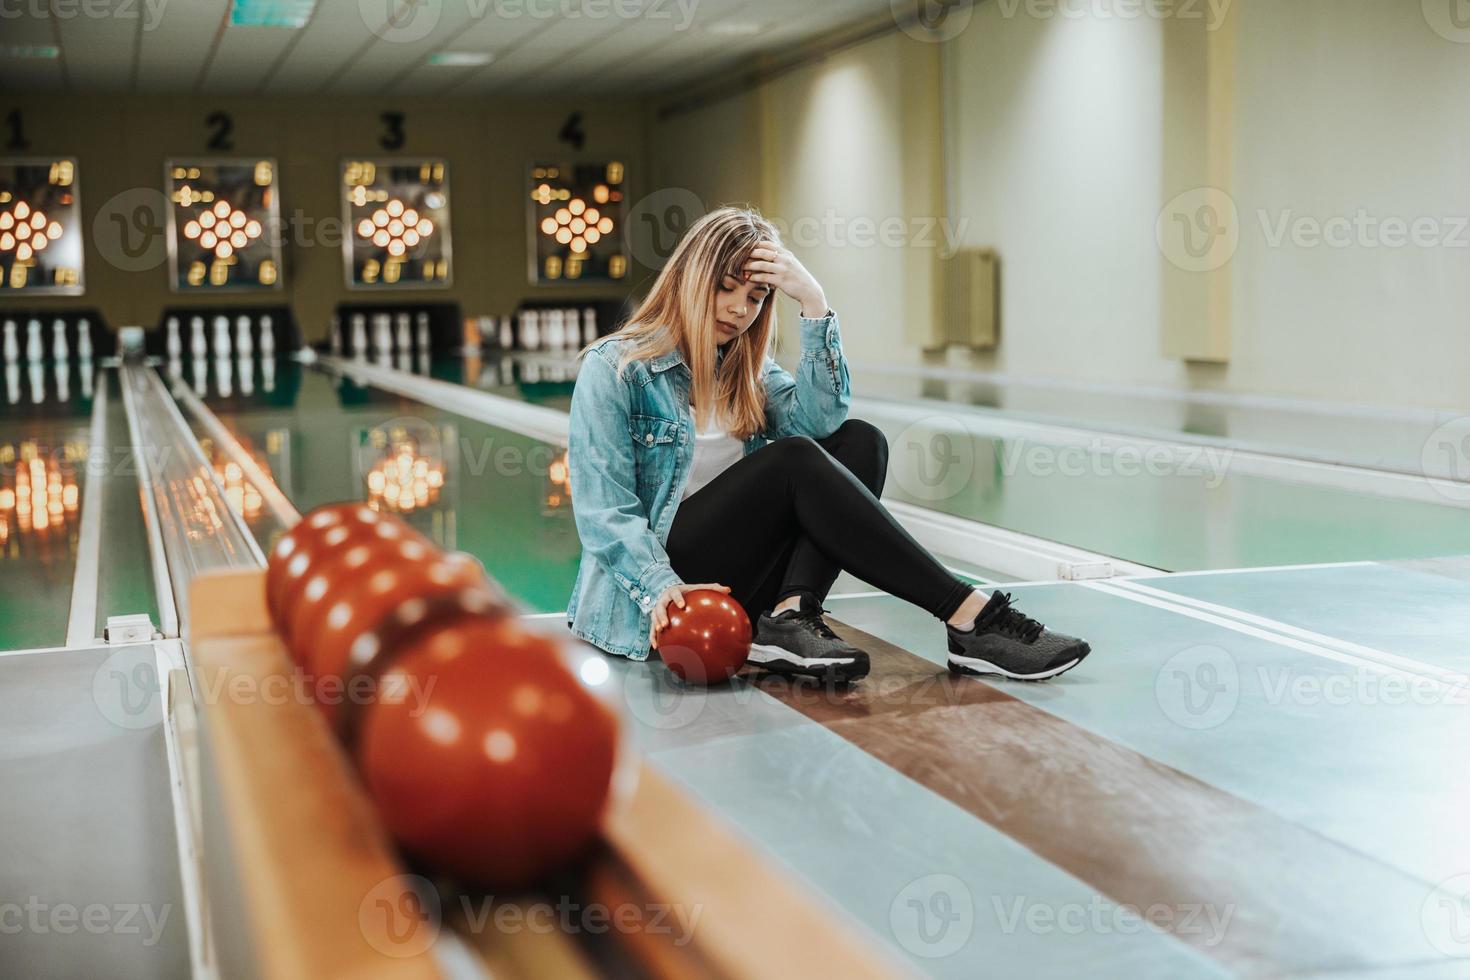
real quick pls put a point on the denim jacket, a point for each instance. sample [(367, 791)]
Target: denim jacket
[(630, 451)]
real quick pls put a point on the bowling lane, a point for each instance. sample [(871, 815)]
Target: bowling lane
[(44, 444), (1171, 506), (1401, 440), (52, 463), (1178, 509), (321, 438)]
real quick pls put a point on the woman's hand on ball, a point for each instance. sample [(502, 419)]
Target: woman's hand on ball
[(674, 594)]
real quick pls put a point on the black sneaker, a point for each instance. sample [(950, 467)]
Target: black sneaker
[(1007, 643), (799, 642)]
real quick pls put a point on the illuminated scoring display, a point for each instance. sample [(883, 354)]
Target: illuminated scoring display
[(37, 207), (223, 230), (399, 215), (222, 244), (576, 209), (26, 231), (395, 227)]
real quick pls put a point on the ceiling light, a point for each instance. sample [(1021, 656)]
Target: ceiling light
[(272, 13), (44, 51), (461, 59), (735, 28)]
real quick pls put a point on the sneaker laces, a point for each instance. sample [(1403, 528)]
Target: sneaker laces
[(816, 623), (1008, 619), (811, 618)]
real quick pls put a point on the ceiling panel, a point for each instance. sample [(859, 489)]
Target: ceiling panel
[(30, 74), (174, 50), (186, 45), (100, 50)]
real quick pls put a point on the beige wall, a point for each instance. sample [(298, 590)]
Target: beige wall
[(1065, 137), (830, 152), (121, 143)]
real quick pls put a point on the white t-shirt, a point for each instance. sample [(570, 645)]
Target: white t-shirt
[(715, 451)]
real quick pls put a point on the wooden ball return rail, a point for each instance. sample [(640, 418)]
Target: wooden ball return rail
[(300, 879)]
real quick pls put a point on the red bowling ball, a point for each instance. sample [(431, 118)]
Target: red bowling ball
[(286, 557), (327, 552), (708, 641), (338, 573), (486, 755), (325, 644)]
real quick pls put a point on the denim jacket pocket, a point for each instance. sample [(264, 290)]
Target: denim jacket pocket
[(650, 430)]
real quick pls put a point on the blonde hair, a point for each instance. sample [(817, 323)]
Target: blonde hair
[(679, 313)]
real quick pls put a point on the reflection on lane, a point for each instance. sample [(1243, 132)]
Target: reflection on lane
[(43, 467), (498, 495)]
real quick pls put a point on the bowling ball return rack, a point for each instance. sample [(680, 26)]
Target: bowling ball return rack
[(300, 879)]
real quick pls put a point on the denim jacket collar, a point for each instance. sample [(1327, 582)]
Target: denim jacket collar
[(666, 361), (675, 357)]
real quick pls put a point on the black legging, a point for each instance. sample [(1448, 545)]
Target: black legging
[(785, 520)]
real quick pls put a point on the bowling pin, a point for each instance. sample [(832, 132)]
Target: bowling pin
[(268, 336), (35, 350), (59, 351), (12, 383), (224, 380), (507, 333), (424, 362), (382, 334), (555, 336), (84, 339), (198, 346), (589, 325), (247, 376), (403, 338), (221, 336), (38, 382), (268, 374), (85, 371), (334, 337), (175, 368), (405, 361), (244, 343), (200, 370), (63, 381), (359, 335), (423, 333), (573, 339), (531, 330), (12, 345)]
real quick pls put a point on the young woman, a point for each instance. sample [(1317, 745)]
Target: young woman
[(695, 458)]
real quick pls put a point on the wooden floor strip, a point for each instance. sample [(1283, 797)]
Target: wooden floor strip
[(1143, 834)]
